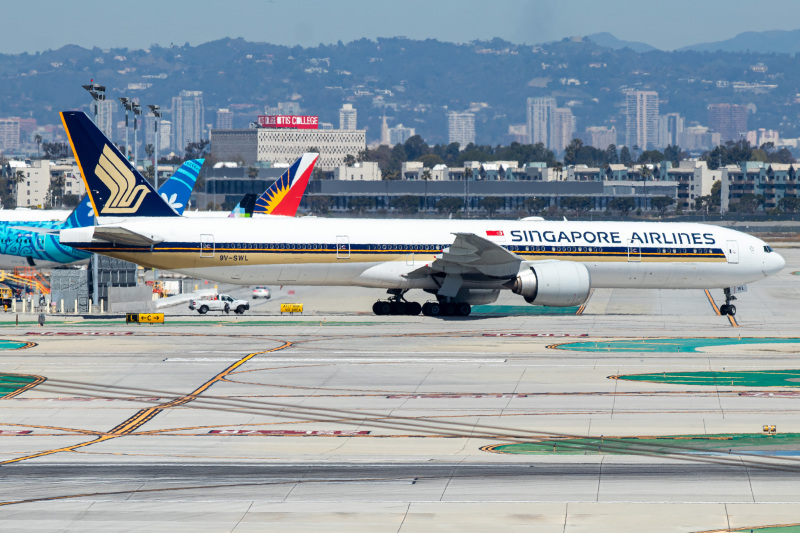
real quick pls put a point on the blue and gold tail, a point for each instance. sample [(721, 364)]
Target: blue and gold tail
[(175, 191), (114, 187)]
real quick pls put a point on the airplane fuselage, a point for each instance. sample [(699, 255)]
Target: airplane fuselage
[(381, 253)]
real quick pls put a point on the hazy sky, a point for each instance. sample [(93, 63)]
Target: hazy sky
[(41, 25)]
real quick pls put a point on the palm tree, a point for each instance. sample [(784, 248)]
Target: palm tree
[(38, 139), (426, 175)]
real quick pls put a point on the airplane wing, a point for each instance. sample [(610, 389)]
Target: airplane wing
[(120, 235), (473, 256)]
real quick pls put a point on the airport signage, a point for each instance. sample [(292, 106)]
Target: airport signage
[(300, 122), (144, 318), (291, 308)]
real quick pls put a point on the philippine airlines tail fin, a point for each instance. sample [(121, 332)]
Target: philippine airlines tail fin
[(175, 191), (283, 196), (244, 209), (114, 187)]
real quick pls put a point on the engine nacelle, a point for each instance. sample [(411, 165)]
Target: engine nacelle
[(554, 283)]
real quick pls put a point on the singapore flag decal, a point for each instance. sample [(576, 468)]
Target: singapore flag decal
[(494, 233)]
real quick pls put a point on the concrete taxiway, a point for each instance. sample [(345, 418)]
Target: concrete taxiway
[(339, 420)]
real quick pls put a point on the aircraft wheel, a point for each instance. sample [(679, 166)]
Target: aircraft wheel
[(384, 308), (463, 309), (434, 309), (203, 309), (732, 310), (413, 308), (398, 308), (723, 309)]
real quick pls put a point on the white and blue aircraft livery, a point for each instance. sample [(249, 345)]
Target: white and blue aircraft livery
[(461, 262)]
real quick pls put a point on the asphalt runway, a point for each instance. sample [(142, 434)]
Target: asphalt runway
[(339, 420)]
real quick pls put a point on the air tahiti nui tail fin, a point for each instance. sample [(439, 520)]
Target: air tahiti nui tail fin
[(114, 187), (283, 196), (175, 191)]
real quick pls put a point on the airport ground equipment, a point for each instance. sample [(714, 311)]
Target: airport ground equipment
[(223, 302)]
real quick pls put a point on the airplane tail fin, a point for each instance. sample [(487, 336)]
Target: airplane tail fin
[(244, 209), (114, 187), (175, 191), (283, 196)]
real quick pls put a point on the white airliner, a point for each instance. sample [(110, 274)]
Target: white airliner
[(461, 262)]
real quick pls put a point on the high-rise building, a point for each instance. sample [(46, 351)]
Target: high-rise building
[(641, 119), (224, 119), (9, 134), (188, 118), (729, 120), (348, 116), (105, 117), (670, 126), (562, 129), (385, 131), (461, 128), (164, 135), (400, 134), (539, 112), (601, 137)]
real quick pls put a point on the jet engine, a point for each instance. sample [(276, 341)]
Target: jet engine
[(554, 283)]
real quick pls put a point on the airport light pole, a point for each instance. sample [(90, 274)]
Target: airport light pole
[(137, 110), (98, 93), (126, 103), (157, 114)]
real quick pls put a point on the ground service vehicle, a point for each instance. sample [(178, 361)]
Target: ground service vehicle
[(261, 292), (223, 302)]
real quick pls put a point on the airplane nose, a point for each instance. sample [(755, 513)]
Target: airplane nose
[(774, 264)]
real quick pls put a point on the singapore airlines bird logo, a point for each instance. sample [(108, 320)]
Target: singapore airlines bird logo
[(126, 196)]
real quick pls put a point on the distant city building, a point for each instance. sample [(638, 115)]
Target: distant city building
[(105, 117), (698, 138), (670, 127), (601, 137), (773, 181), (385, 131), (518, 133), (641, 119), (224, 119), (461, 128), (27, 129), (188, 118), (9, 134), (164, 135), (365, 170), (284, 145), (32, 189), (400, 134), (729, 120), (563, 129), (539, 114), (348, 117), (762, 136)]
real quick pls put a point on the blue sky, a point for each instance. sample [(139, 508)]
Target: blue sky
[(45, 24)]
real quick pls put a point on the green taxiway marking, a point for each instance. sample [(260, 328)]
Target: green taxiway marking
[(13, 345), (781, 442), (669, 345), (747, 378), (522, 310), (11, 383)]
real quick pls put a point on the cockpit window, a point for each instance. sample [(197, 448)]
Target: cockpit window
[(767, 249)]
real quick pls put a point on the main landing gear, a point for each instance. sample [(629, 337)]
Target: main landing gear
[(446, 309), (728, 308), (397, 305)]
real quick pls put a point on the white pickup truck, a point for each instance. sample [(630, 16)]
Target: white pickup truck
[(223, 302)]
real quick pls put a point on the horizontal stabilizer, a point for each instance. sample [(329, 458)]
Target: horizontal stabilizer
[(120, 235)]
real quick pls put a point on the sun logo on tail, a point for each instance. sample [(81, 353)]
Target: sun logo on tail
[(126, 196), (274, 195)]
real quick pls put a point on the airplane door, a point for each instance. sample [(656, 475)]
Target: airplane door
[(733, 252), (634, 253), (342, 247), (206, 245), (38, 242)]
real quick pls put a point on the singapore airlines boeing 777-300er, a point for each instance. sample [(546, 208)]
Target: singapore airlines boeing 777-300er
[(460, 262)]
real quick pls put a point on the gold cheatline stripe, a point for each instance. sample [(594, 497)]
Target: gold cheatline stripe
[(143, 416)]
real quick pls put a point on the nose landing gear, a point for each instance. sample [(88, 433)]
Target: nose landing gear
[(728, 308)]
